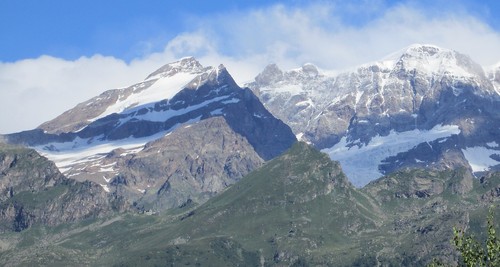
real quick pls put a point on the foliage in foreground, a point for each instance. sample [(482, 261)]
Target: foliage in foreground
[(472, 252)]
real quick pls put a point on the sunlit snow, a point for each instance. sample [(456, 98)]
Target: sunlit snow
[(216, 112), (479, 158), (360, 164), (443, 61), (105, 187), (67, 154), (163, 88), (292, 89), (160, 116), (492, 144)]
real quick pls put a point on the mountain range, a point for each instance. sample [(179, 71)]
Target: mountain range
[(423, 106), (414, 140)]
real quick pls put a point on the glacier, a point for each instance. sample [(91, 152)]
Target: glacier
[(360, 162)]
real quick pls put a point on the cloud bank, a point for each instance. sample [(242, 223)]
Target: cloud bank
[(36, 90)]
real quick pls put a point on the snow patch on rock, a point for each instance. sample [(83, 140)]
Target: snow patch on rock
[(479, 158)]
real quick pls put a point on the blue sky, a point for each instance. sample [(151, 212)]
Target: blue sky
[(57, 53), (131, 29), (71, 29)]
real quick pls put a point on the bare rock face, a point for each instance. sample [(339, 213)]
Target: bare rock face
[(192, 163), (17, 163), (33, 191), (271, 74)]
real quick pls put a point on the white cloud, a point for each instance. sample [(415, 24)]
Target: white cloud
[(35, 90), (318, 34)]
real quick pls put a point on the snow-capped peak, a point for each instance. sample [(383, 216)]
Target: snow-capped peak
[(218, 75), (162, 84), (187, 65), (220, 70), (306, 70), (310, 69), (413, 49), (432, 60)]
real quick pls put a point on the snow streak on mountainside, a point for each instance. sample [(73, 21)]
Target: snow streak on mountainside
[(411, 91)]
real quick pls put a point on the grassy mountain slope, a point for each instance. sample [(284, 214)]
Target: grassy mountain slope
[(297, 210)]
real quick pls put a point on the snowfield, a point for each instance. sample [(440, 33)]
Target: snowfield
[(69, 154), (479, 157), (163, 88), (360, 164)]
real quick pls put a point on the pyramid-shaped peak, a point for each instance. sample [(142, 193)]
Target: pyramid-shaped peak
[(218, 73), (310, 69), (221, 67), (186, 64), (271, 74), (214, 77), (223, 76), (272, 67)]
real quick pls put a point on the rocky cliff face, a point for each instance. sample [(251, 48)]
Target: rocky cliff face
[(406, 95), (17, 163), (185, 133), (192, 163), (33, 191)]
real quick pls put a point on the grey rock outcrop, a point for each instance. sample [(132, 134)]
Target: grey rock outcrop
[(192, 163), (33, 191)]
